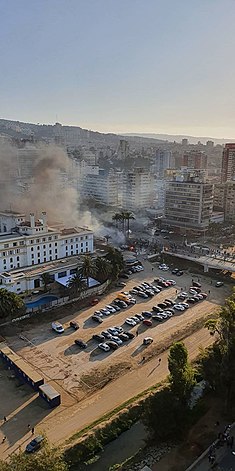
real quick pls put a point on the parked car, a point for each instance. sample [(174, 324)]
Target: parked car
[(57, 327), (172, 282), (162, 305), (97, 319), (185, 305), (120, 284), (129, 334), (98, 313), (129, 321), (169, 301), (106, 334), (178, 307), (116, 339), (218, 284), (136, 319), (112, 345), (174, 271), (192, 291), (141, 294), (123, 337), (124, 276), (105, 311), (74, 325), (198, 285), (179, 273), (191, 300), (110, 308), (94, 301), (157, 317), (104, 346), (116, 307), (157, 309), (98, 337), (204, 295), (35, 444), (147, 341), (118, 329), (168, 313), (112, 331), (150, 292), (140, 317), (147, 313), (80, 343), (147, 322)]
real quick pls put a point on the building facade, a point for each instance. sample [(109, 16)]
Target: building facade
[(188, 204), (195, 159), (101, 186), (229, 202), (228, 163), (137, 191), (33, 244)]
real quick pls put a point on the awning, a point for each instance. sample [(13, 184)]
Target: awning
[(65, 280)]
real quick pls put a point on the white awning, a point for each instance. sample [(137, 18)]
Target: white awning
[(65, 280)]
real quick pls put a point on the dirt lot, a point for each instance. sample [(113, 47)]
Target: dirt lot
[(72, 371)]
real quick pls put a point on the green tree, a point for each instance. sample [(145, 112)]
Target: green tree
[(47, 459), (165, 417), (181, 373), (46, 280), (88, 268), (76, 284), (103, 269), (117, 218), (11, 305), (115, 257)]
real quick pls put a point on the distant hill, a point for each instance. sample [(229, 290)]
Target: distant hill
[(178, 138)]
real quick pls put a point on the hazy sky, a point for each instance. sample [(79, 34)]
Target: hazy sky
[(120, 65)]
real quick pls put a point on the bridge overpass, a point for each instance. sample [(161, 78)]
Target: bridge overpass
[(205, 260)]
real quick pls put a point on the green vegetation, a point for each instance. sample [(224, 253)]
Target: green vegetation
[(124, 219), (88, 268), (11, 305), (46, 459), (217, 362), (103, 269), (115, 257), (76, 285), (46, 280), (181, 373)]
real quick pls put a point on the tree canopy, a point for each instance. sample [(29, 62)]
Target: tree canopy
[(11, 304), (181, 373)]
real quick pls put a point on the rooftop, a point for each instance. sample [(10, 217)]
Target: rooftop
[(14, 235), (74, 230), (13, 213)]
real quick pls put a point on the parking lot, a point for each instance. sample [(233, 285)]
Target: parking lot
[(76, 372)]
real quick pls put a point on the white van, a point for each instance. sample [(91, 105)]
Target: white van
[(57, 327)]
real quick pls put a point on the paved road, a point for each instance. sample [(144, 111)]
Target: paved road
[(226, 462)]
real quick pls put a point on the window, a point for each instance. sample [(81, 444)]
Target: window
[(10, 252), (49, 245), (71, 247), (49, 238), (50, 258), (31, 242), (37, 241), (66, 241), (11, 266), (71, 252), (11, 260), (17, 250), (38, 247), (62, 274), (43, 239), (86, 237), (17, 259), (81, 244), (55, 250), (39, 260), (4, 268), (18, 265), (21, 242), (50, 252), (73, 271), (31, 249), (4, 261), (6, 246), (14, 244), (56, 257), (32, 262), (81, 238), (4, 254), (66, 247), (45, 259), (56, 237), (66, 254), (55, 244), (32, 255), (44, 253), (81, 250), (71, 240), (44, 246), (76, 239)]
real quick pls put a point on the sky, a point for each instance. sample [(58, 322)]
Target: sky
[(163, 66)]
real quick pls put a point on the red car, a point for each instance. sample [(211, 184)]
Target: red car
[(94, 302), (147, 322)]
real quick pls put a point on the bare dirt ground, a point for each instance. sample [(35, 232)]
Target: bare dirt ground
[(92, 382)]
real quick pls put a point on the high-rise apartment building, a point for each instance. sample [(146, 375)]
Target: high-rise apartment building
[(137, 189), (228, 163), (102, 186), (229, 202), (195, 159), (162, 161), (188, 203)]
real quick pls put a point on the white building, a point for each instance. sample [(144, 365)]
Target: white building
[(137, 189), (102, 186), (34, 245)]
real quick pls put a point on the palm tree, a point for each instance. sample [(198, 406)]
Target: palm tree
[(46, 279), (88, 268), (10, 304), (76, 284), (117, 218), (103, 268), (128, 215)]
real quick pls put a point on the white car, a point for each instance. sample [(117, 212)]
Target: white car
[(139, 268), (117, 340), (110, 309), (192, 291), (129, 321), (133, 291), (104, 347), (169, 313), (105, 311), (135, 319), (118, 329), (163, 267), (112, 331), (57, 327), (178, 307)]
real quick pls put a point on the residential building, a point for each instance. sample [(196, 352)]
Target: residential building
[(33, 244), (229, 204), (137, 189), (195, 159), (102, 186), (162, 161), (228, 163), (184, 142), (189, 202), (219, 196)]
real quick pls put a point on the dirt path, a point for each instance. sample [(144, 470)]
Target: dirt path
[(117, 392)]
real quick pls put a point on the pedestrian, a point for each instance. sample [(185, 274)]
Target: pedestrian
[(28, 427), (209, 291), (159, 361), (211, 282), (137, 333), (32, 430), (176, 291), (143, 359), (152, 268), (4, 439), (4, 419)]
